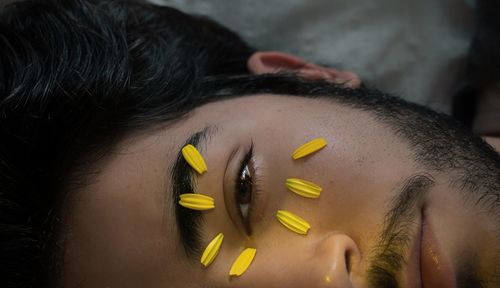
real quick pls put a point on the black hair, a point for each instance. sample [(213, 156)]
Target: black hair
[(77, 76)]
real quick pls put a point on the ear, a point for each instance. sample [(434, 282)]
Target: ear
[(263, 62)]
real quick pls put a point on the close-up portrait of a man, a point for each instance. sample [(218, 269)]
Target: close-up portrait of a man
[(249, 143)]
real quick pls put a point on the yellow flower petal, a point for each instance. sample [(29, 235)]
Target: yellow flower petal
[(293, 222), (212, 250), (242, 262), (194, 158), (197, 201), (308, 148), (303, 187)]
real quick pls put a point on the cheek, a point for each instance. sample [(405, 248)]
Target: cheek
[(358, 181), (280, 262), (285, 259)]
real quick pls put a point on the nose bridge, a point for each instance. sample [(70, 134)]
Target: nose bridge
[(336, 259)]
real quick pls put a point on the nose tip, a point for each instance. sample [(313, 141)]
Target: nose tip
[(340, 259)]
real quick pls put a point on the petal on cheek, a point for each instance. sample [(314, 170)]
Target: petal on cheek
[(212, 250), (309, 148), (303, 187), (243, 262), (293, 222)]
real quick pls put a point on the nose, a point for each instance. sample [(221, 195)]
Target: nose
[(336, 261)]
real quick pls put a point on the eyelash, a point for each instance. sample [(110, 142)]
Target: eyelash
[(246, 166)]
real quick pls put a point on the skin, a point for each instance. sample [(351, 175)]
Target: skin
[(123, 231), (494, 142)]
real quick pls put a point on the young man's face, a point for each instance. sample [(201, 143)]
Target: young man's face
[(381, 218)]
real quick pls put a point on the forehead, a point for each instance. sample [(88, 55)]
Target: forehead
[(110, 218), (286, 110)]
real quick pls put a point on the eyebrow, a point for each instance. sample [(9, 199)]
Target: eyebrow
[(183, 179), (395, 238)]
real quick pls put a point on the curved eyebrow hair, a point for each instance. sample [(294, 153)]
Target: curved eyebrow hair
[(395, 239), (183, 179)]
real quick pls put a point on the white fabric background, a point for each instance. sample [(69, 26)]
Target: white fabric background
[(414, 48)]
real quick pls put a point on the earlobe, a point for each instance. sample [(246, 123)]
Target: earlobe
[(264, 62)]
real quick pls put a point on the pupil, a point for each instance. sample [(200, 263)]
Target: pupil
[(245, 192)]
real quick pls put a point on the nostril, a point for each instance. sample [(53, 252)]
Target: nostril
[(347, 256), (338, 258)]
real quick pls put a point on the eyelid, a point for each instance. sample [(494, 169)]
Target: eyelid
[(259, 202), (232, 169), (246, 162)]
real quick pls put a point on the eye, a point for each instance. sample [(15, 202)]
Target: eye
[(244, 190)]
